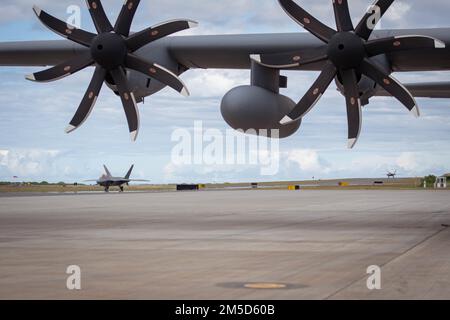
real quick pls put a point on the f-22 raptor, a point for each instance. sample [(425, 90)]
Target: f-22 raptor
[(107, 180)]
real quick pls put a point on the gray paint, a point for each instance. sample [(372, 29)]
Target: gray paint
[(251, 107), (229, 51), (107, 180), (264, 77), (232, 51), (424, 90)]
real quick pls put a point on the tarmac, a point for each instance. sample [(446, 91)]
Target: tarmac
[(256, 244)]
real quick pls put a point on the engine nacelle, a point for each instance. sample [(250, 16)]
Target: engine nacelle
[(252, 107), (141, 85), (367, 87)]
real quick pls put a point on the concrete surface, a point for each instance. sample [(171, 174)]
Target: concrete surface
[(209, 245)]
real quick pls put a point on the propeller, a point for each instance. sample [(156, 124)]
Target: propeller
[(111, 52), (347, 54)]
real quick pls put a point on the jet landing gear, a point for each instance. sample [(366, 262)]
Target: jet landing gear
[(120, 187)]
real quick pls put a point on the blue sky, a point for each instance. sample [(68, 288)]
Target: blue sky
[(33, 116)]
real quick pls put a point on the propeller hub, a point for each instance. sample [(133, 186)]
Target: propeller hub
[(109, 50), (346, 50)]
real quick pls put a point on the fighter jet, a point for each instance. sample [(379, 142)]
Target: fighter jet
[(107, 180), (392, 174)]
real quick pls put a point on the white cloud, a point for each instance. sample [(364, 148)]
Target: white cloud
[(27, 163), (398, 11), (408, 161), (307, 160), (191, 173), (3, 155), (418, 163), (214, 82), (305, 163)]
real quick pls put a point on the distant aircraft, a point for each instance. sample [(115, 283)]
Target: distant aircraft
[(107, 180), (391, 174)]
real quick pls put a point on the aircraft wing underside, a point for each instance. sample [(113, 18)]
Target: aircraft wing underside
[(423, 90)]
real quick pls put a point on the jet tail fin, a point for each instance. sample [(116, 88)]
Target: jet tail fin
[(107, 171), (129, 172)]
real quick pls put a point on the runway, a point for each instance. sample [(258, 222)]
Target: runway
[(222, 244)]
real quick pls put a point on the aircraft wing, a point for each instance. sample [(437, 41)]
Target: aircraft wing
[(37, 53), (216, 51), (233, 52), (228, 51), (424, 90)]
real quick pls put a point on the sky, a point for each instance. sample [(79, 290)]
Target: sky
[(33, 116)]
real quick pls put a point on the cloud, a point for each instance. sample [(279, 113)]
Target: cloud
[(417, 163), (192, 173), (214, 83), (233, 17), (407, 161), (3, 155), (305, 163), (307, 160), (27, 163), (398, 11)]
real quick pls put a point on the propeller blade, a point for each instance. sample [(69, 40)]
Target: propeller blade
[(63, 70), (128, 101), (372, 17), (399, 43), (99, 17), (63, 29), (353, 100), (342, 15), (313, 95), (123, 23), (144, 37), (290, 59), (157, 72), (391, 85), (307, 21), (89, 99)]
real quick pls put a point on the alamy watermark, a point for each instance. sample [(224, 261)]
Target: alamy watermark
[(374, 280), (213, 147), (74, 19), (375, 16), (73, 281)]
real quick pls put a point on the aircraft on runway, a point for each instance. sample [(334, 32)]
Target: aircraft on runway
[(107, 180), (136, 65), (392, 174)]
